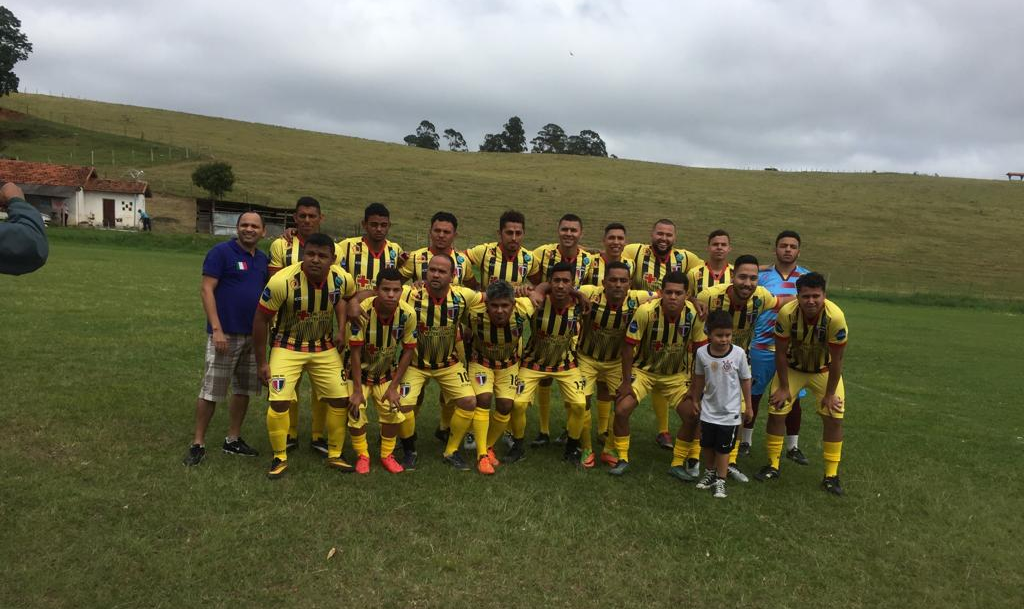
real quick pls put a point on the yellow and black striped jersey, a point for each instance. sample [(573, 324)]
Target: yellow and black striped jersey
[(604, 328), (744, 316), (304, 312), (702, 278), (553, 336), (549, 255), (363, 264), (664, 346), (286, 253), (415, 267), (595, 275), (649, 268), (490, 263), (498, 347), (437, 324), (381, 339), (807, 350)]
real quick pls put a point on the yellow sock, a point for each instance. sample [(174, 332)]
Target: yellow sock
[(831, 453), (574, 425), (335, 419), (519, 420), (604, 411), (496, 427), (544, 409), (359, 445), (447, 410), (694, 449), (461, 420), (319, 418), (622, 447), (660, 405), (387, 446), (773, 447), (407, 428), (277, 430), (679, 451), (481, 421), (586, 441), (293, 419)]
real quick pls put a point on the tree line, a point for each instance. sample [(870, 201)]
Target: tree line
[(551, 139)]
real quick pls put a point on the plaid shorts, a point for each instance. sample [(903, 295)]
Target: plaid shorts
[(236, 368)]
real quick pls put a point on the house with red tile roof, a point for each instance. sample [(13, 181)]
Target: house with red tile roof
[(76, 195)]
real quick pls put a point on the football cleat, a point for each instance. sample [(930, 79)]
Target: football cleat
[(516, 453), (744, 449), (620, 468), (797, 455), (493, 458), (766, 473), (442, 435), (195, 455), (664, 440), (240, 448), (319, 445), (291, 443), (693, 468), (587, 459), (456, 461), (390, 464), (736, 474), (830, 484), (562, 437), (409, 460), (362, 464), (542, 439), (484, 466), (609, 459), (339, 464), (277, 468), (681, 473)]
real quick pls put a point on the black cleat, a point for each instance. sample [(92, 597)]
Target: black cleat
[(277, 469), (319, 445), (766, 473), (562, 437), (240, 448), (744, 449), (830, 484), (572, 453), (291, 443), (542, 439), (195, 455), (409, 460), (516, 453), (456, 461), (442, 435), (797, 455)]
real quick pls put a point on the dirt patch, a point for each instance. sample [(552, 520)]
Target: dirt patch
[(172, 214), (11, 115)]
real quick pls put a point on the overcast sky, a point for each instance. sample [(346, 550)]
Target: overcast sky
[(932, 86)]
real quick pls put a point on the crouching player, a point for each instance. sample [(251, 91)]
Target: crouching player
[(304, 300), (721, 385), (496, 328), (386, 324), (810, 338)]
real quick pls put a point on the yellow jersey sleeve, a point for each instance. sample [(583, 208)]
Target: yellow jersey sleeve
[(691, 282), (693, 261), (638, 325), (344, 282), (768, 299), (837, 330), (476, 254), (408, 268), (472, 297), (355, 335), (783, 322), (641, 296), (409, 328), (697, 334), (590, 292), (524, 306), (277, 252), (629, 252), (274, 294)]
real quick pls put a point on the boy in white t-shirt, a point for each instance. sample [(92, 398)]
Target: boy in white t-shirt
[(721, 380)]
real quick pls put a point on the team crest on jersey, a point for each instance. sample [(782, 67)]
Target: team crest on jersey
[(277, 383), (453, 313), (727, 365), (481, 378), (658, 345), (337, 282), (520, 386), (522, 270), (404, 389), (295, 284), (333, 296)]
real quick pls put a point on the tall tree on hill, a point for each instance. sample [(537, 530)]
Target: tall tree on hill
[(216, 178), (587, 143), (550, 140), (425, 136), (14, 47), (512, 139), (456, 143)]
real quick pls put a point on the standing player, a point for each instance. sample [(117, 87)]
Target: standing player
[(303, 300), (570, 231), (390, 326), (810, 339), (363, 257), (600, 348), (614, 242), (717, 270), (234, 273), (779, 279), (651, 262), (656, 356), (504, 260), (551, 353), (497, 328), (743, 302), (285, 251)]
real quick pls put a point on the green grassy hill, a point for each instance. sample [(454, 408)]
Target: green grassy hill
[(868, 231)]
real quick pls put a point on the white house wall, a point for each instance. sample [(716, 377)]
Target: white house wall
[(126, 209)]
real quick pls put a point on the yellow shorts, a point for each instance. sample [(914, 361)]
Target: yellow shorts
[(326, 374), (672, 386), (593, 371), (454, 382), (385, 413), (502, 383), (815, 383), (570, 383)]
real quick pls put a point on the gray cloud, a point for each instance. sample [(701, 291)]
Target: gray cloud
[(910, 86)]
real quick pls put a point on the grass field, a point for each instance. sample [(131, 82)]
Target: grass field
[(102, 357), (888, 232)]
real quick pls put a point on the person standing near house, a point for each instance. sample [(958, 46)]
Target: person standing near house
[(23, 246), (147, 222), (234, 274)]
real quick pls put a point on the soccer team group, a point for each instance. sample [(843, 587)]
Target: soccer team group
[(497, 325)]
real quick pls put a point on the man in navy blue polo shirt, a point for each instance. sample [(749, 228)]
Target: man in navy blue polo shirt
[(234, 274)]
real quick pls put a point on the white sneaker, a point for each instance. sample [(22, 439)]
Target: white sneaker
[(469, 441), (719, 487), (707, 481), (737, 475)]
